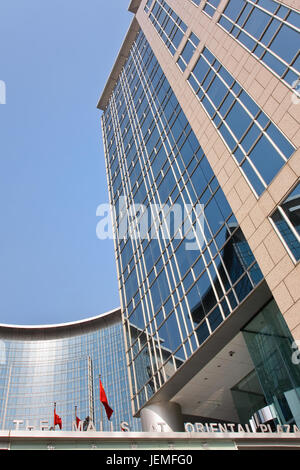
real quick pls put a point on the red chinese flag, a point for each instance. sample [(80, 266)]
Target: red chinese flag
[(77, 422), (57, 420), (103, 400)]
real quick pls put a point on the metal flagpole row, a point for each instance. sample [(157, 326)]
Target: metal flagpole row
[(101, 410)]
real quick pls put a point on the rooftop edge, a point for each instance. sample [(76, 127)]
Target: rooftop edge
[(45, 332), (134, 6), (120, 61)]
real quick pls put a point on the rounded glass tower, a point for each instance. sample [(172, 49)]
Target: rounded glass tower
[(43, 365)]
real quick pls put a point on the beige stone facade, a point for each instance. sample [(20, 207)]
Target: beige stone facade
[(275, 98)]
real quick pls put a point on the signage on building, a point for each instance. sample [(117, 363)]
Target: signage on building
[(239, 428), (188, 427)]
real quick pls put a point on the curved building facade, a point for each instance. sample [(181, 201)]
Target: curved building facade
[(61, 364)]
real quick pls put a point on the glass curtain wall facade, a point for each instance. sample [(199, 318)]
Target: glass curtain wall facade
[(270, 343), (242, 124), (245, 128), (176, 287), (35, 373), (168, 25), (286, 220), (270, 31)]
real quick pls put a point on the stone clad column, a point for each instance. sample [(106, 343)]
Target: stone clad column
[(162, 417)]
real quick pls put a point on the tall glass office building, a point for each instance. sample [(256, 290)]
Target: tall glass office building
[(40, 366), (201, 134)]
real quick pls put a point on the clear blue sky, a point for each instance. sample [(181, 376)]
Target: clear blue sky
[(55, 57)]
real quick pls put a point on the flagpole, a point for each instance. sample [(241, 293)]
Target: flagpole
[(54, 416), (76, 415), (101, 410)]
